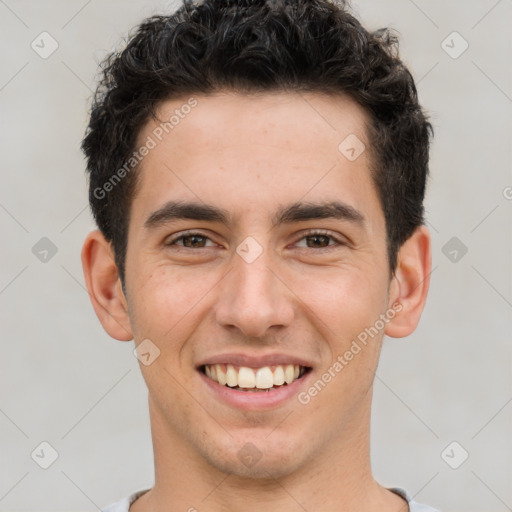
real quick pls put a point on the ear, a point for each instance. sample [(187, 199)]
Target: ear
[(410, 283), (104, 286)]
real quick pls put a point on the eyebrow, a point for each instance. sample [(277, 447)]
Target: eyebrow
[(179, 210), (313, 211)]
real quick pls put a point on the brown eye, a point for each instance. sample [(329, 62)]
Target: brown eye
[(191, 241), (319, 240)]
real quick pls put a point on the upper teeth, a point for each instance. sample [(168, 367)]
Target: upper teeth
[(261, 378)]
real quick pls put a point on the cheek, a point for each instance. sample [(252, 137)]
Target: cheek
[(346, 301), (167, 300)]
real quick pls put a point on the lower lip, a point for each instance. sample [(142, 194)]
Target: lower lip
[(255, 400)]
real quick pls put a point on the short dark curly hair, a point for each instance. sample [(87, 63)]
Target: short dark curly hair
[(250, 46)]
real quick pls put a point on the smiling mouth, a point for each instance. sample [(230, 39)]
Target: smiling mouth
[(242, 378)]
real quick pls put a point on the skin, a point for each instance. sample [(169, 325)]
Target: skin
[(297, 297)]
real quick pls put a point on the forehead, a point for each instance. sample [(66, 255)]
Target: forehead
[(318, 119), (251, 152)]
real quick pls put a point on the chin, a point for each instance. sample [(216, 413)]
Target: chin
[(256, 459)]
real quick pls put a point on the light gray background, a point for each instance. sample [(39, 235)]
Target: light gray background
[(66, 382)]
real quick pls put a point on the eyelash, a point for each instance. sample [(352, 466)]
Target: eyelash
[(312, 232)]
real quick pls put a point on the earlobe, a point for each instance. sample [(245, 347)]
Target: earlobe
[(410, 284), (104, 286)]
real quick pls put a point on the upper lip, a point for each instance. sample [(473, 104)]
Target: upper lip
[(255, 361)]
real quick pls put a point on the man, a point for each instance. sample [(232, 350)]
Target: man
[(257, 173)]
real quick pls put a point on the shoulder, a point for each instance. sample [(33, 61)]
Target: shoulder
[(124, 504), (414, 506)]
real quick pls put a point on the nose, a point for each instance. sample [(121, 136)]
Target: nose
[(253, 298)]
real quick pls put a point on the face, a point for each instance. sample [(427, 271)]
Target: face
[(255, 242)]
